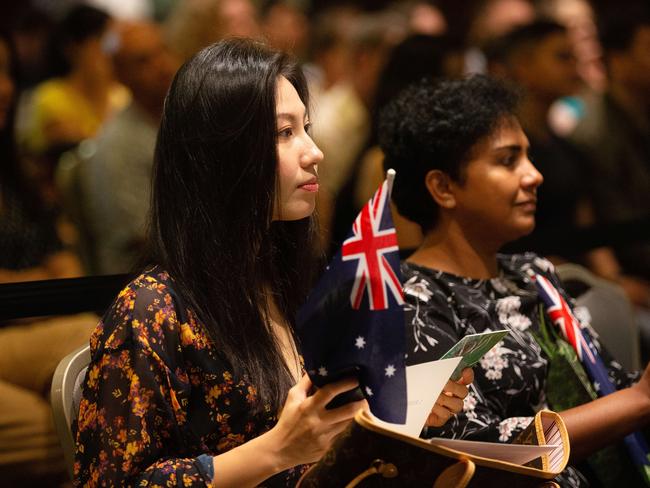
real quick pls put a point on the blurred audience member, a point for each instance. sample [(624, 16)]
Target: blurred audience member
[(417, 57), (342, 113), (491, 20), (116, 180), (195, 24), (286, 27), (427, 18), (538, 58), (330, 48), (73, 106), (615, 132), (579, 18), (30, 34), (30, 453)]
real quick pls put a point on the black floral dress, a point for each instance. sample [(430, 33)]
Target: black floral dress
[(510, 380), (158, 400)]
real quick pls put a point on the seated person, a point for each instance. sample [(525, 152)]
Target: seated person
[(463, 174), (30, 349), (195, 373)]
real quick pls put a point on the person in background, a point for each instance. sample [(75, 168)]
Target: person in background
[(615, 133), (194, 24), (538, 58), (416, 57), (30, 249), (74, 105), (195, 374), (116, 180), (463, 174), (342, 115), (285, 27)]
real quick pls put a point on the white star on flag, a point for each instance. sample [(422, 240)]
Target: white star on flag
[(369, 391), (360, 342), (322, 371), (390, 370)]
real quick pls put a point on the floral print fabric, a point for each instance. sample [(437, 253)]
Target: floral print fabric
[(158, 400), (510, 380)]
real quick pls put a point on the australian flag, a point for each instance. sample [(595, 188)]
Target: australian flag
[(567, 323), (353, 322)]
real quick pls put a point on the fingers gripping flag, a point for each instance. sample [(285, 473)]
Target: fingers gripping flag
[(353, 320), (564, 319)]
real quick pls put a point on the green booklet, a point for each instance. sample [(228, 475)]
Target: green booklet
[(472, 347)]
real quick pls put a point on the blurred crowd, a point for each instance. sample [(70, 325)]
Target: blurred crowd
[(82, 87)]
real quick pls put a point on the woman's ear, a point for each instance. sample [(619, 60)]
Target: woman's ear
[(438, 184)]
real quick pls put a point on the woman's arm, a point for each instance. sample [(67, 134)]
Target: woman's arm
[(608, 419), (304, 432)]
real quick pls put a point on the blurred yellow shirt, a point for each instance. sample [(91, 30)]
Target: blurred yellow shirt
[(59, 107)]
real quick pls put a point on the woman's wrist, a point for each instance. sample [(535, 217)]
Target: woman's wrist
[(269, 445), (641, 391), (250, 463)]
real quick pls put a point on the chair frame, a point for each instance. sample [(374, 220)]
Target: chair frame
[(65, 384), (627, 353)]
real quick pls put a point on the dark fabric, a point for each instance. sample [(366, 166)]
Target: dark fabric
[(158, 400), (619, 152), (512, 379), (27, 236)]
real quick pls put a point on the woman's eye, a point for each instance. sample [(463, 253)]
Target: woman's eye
[(509, 161), (287, 132), (308, 127)]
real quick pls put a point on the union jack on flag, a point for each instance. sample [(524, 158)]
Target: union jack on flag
[(559, 312), (562, 316), (373, 237), (353, 321)]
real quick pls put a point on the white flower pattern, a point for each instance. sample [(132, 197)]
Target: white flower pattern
[(510, 380), (510, 425)]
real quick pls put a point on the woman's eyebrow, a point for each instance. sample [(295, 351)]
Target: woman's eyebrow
[(290, 116), (509, 147)]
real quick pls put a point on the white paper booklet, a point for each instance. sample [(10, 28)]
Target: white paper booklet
[(511, 453)]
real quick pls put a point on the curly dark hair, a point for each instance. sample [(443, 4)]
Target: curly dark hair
[(436, 126)]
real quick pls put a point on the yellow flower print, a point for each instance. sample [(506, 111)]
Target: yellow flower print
[(87, 414), (213, 394), (187, 335), (93, 374)]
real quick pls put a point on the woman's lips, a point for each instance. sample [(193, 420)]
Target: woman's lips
[(310, 187)]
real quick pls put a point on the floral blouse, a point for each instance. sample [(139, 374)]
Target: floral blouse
[(158, 400), (510, 380)]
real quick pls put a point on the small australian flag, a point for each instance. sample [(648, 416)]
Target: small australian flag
[(353, 321)]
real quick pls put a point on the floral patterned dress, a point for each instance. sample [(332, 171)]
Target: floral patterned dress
[(158, 400), (510, 381)]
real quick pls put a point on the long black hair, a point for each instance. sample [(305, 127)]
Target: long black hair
[(214, 188)]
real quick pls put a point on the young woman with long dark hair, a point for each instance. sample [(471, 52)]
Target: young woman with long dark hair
[(195, 375)]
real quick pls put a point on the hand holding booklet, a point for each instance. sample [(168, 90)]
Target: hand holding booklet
[(471, 348)]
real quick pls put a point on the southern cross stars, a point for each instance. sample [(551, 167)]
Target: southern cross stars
[(390, 370), (360, 342)]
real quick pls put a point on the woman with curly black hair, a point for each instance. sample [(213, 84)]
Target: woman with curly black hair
[(463, 175)]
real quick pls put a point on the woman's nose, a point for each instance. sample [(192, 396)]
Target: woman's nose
[(312, 154), (531, 178)]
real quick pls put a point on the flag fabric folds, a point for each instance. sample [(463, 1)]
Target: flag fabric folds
[(353, 321), (564, 319)]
